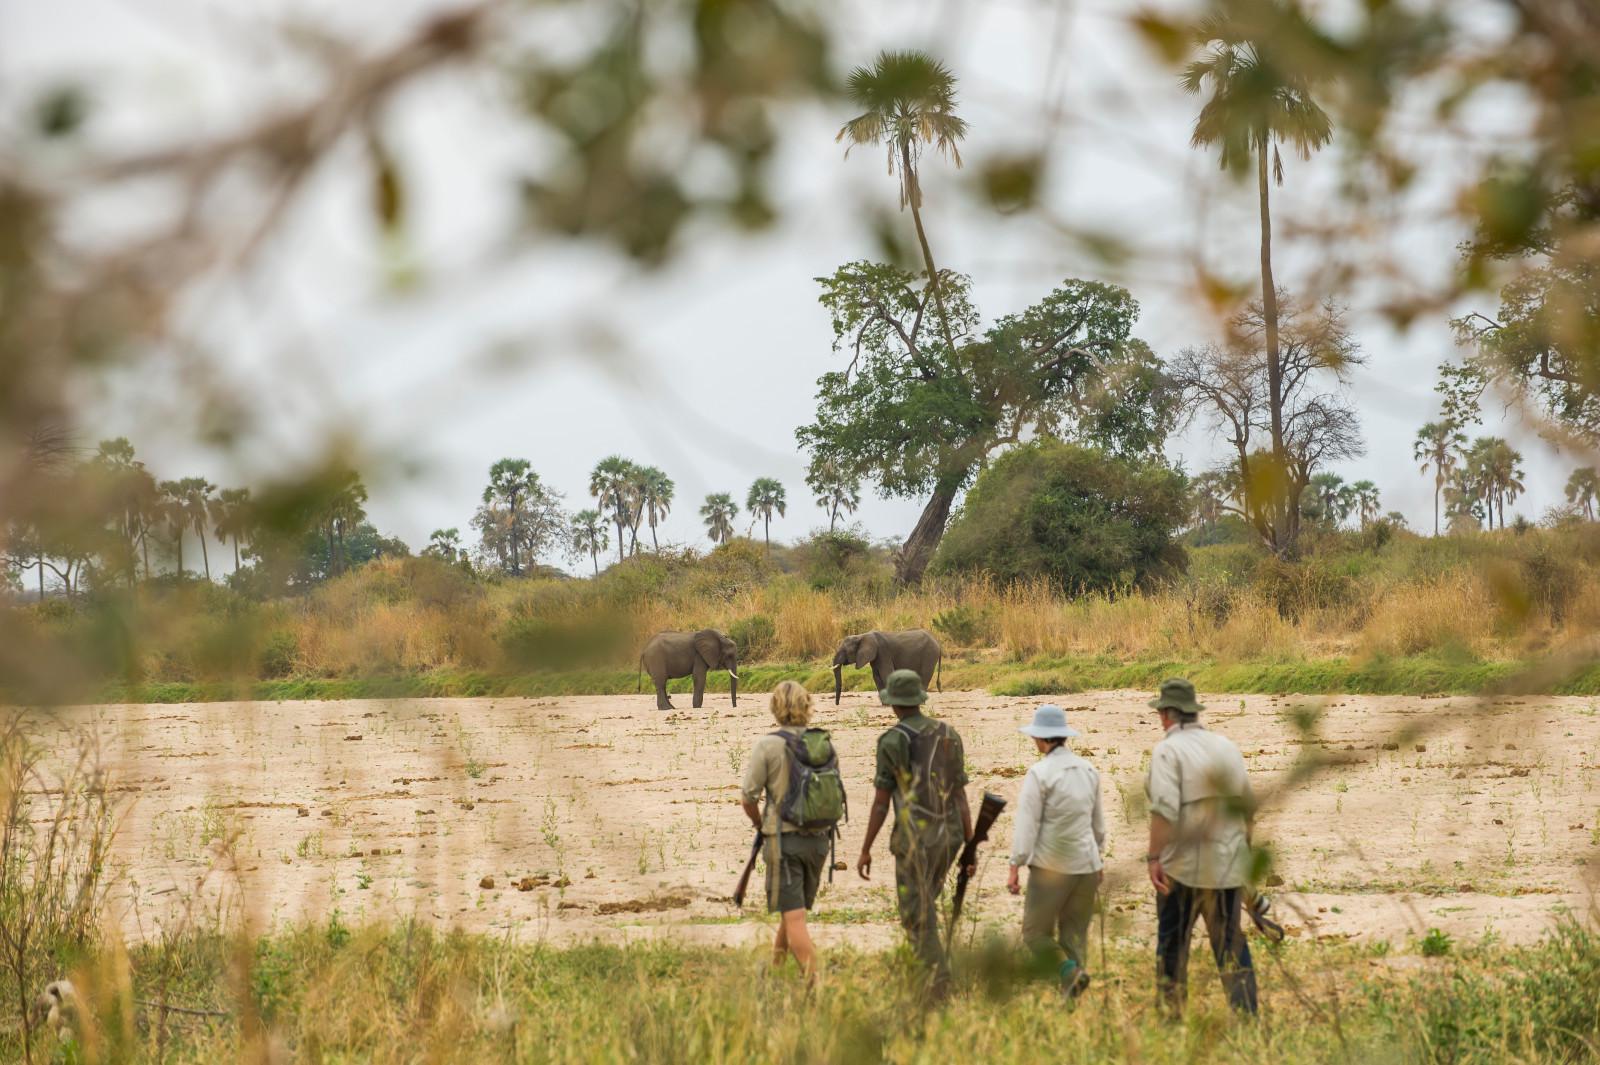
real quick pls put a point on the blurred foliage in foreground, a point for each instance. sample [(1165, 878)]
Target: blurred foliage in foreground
[(1366, 601), (409, 993)]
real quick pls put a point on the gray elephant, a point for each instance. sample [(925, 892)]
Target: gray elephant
[(669, 655), (886, 652)]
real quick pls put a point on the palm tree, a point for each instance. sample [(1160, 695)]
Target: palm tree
[(655, 497), (1583, 488), (230, 517), (343, 511), (609, 483), (1331, 497), (719, 511), (835, 490), (185, 507), (589, 534), (1364, 494), (173, 513), (908, 102), (1504, 468), (1255, 103), (765, 498), (511, 482), (1438, 444), (444, 544)]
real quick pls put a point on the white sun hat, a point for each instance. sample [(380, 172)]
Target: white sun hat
[(1049, 723)]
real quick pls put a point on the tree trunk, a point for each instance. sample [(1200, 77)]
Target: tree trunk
[(516, 565), (924, 539), (914, 198), (1285, 524)]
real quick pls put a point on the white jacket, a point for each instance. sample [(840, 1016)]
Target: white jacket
[(1060, 826)]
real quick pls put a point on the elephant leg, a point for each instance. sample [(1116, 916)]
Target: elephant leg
[(699, 688), (662, 702)]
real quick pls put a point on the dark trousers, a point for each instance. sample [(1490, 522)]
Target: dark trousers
[(1175, 916), (919, 877)]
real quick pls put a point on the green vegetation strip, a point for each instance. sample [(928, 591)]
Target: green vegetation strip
[(409, 993), (1397, 676)]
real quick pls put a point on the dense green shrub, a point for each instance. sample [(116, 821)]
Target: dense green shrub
[(961, 625), (756, 636), (1081, 518)]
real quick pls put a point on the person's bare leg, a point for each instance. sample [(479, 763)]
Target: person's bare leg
[(780, 943), (799, 939)]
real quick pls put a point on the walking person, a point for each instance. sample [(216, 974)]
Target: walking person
[(921, 769), (795, 768), (1201, 808), (1060, 837)]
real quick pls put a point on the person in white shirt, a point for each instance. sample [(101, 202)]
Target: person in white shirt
[(1060, 835), (1201, 808)]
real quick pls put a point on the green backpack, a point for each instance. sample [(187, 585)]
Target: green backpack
[(815, 796)]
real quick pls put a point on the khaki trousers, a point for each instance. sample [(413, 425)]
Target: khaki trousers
[(1056, 912)]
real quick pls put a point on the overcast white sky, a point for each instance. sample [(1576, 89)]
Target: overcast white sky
[(717, 354)]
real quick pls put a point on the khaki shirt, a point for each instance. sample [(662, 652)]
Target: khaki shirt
[(1198, 782), (767, 771)]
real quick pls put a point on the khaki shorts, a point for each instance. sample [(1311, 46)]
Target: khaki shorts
[(801, 861)]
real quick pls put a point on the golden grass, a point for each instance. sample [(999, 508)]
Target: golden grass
[(412, 616), (1452, 612)]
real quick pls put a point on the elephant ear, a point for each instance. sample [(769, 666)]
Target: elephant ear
[(866, 650), (708, 645)]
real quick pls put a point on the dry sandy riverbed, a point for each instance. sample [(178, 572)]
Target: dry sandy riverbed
[(621, 822)]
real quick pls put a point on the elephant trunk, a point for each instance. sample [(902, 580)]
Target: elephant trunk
[(838, 683)]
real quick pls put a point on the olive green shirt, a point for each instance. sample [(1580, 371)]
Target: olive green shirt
[(894, 773)]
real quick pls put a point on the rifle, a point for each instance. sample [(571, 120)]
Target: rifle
[(988, 811), (749, 867)]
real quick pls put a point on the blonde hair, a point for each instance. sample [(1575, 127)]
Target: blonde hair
[(791, 703)]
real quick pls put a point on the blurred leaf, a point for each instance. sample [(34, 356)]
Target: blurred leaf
[(388, 191), (1170, 39), (1011, 183), (61, 111)]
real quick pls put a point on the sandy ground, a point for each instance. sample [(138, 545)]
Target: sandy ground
[(621, 822)]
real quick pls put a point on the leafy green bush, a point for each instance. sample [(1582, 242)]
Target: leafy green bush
[(961, 625), (278, 654), (756, 636), (1082, 519)]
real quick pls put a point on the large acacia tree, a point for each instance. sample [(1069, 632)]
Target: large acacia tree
[(920, 417)]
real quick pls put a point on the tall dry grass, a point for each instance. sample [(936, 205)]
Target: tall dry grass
[(1485, 598)]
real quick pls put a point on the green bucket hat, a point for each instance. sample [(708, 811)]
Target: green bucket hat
[(1177, 694), (903, 688)]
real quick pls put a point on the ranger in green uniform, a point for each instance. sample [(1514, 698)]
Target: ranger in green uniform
[(922, 770)]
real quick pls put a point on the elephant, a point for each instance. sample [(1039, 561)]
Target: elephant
[(886, 652), (684, 654)]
